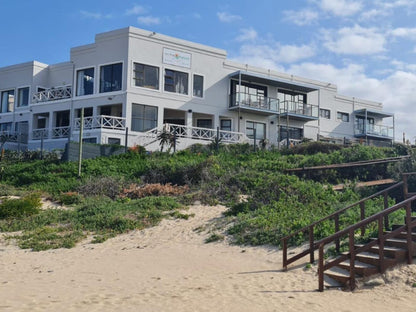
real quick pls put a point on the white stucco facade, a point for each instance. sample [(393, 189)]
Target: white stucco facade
[(132, 83)]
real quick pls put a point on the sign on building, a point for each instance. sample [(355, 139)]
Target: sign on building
[(176, 58)]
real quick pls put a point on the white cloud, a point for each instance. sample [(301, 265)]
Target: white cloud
[(395, 4), (136, 10), (228, 18), (409, 33), (356, 40), (247, 34), (341, 7), (95, 15), (302, 17), (148, 20)]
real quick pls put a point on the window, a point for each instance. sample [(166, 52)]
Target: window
[(143, 117), (225, 124), (89, 140), (7, 101), (87, 112), (204, 123), (114, 141), (343, 116), (146, 76), (22, 97), (259, 127), (110, 77), (198, 86), (5, 127), (291, 133), (325, 113), (85, 81), (176, 81)]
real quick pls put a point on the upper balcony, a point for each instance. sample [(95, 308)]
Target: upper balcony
[(299, 111), (100, 122), (368, 124), (53, 94), (254, 103)]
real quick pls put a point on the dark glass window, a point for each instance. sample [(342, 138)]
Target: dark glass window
[(110, 77), (198, 86), (260, 129), (226, 124), (23, 97), (146, 76), (143, 117), (204, 123), (7, 101), (325, 113), (176, 81), (343, 116), (85, 81)]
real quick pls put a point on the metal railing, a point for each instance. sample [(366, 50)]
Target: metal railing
[(299, 108), (60, 132), (254, 101), (13, 137), (378, 130), (101, 121), (52, 94)]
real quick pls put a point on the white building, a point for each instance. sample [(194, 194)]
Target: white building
[(132, 82)]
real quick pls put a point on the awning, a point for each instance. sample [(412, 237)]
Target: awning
[(373, 113), (271, 81)]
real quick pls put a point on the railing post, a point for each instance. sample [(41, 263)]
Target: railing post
[(381, 245), (386, 217), (362, 216), (405, 187), (352, 259), (321, 267), (409, 233), (337, 245), (284, 254), (311, 243)]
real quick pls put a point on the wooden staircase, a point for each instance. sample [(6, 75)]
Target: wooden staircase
[(388, 248)]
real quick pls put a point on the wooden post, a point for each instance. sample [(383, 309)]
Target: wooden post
[(255, 134), (321, 267), (285, 254), (217, 142), (362, 216), (81, 129), (337, 244), (405, 187), (311, 245), (381, 245), (352, 259), (126, 139), (409, 233), (386, 205)]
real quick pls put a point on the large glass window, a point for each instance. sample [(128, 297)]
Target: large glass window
[(259, 127), (111, 77), (176, 81), (325, 113), (198, 86), (291, 132), (23, 97), (225, 124), (146, 76), (85, 81), (204, 123), (5, 127), (7, 101), (143, 117), (343, 116)]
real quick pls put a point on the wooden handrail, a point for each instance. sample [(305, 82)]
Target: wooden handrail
[(335, 215), (380, 240)]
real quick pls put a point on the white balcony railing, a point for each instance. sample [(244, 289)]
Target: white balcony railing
[(101, 121), (52, 94), (60, 132), (38, 134), (204, 133)]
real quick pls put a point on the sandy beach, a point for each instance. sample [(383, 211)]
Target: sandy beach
[(170, 268)]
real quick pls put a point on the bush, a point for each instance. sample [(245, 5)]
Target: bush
[(102, 186), (135, 191), (70, 198), (20, 207)]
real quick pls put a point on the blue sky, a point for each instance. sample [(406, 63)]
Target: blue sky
[(366, 47)]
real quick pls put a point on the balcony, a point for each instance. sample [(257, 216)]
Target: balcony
[(60, 132), (299, 111), (101, 122), (52, 94), (38, 134), (374, 131), (254, 103), (13, 137)]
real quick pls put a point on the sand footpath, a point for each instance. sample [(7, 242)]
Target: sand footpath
[(170, 268)]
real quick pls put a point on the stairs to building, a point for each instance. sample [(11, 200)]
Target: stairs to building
[(363, 255)]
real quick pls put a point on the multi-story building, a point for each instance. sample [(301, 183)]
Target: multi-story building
[(131, 82)]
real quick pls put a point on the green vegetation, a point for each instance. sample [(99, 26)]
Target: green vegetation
[(135, 190)]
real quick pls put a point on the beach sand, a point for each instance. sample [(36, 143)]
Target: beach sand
[(170, 268)]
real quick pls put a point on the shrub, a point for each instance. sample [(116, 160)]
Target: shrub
[(102, 186), (70, 198), (20, 207), (135, 191)]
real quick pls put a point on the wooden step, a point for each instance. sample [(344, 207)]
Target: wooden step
[(361, 268), (398, 254), (339, 275), (403, 235), (398, 242), (373, 259)]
